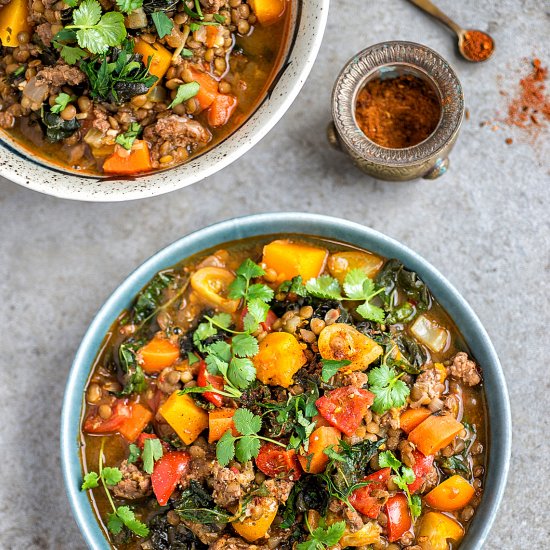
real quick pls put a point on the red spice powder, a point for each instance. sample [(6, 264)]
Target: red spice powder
[(477, 45)]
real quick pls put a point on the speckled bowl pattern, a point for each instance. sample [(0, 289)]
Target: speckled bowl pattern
[(428, 159), (500, 426), (20, 166)]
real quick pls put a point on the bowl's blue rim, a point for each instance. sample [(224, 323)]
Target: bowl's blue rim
[(500, 436)]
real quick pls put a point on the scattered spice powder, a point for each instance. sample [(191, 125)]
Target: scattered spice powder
[(399, 112), (477, 46)]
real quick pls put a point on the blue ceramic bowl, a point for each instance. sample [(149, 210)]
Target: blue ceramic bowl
[(500, 432)]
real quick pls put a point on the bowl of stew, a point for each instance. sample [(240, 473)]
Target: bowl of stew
[(128, 99), (281, 381)]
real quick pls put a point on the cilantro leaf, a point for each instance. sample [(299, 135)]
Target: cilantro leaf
[(331, 367), (330, 535), (225, 448), (96, 32), (237, 288), (61, 101), (110, 475), (70, 54), (357, 285), (244, 345), (162, 23), (249, 270), (247, 448), (127, 139), (185, 92), (324, 287), (114, 523), (241, 372), (152, 451), (258, 310), (387, 459), (222, 320), (390, 392), (221, 350), (135, 453), (128, 6), (415, 506), (91, 481), (246, 422), (260, 292), (128, 518), (371, 312), (192, 358)]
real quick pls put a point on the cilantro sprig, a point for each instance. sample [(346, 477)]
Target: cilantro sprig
[(357, 287), (96, 32), (323, 536), (121, 516), (152, 451), (386, 384), (127, 139), (61, 101), (246, 446), (403, 477)]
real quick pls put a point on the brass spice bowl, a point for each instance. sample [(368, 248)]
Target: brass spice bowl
[(428, 159)]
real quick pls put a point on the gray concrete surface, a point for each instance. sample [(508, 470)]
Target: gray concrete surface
[(485, 225)]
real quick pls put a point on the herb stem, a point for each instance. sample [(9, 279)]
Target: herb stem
[(215, 323), (100, 468)]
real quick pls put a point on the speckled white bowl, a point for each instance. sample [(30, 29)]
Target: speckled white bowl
[(19, 166)]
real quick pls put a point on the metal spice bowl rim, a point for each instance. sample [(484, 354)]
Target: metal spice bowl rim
[(397, 52)]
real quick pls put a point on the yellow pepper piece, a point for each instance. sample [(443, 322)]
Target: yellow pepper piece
[(13, 20), (187, 420)]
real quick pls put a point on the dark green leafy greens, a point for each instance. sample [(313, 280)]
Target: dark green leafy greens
[(149, 299), (197, 505), (58, 129)]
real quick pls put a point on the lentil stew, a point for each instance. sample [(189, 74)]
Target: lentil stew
[(285, 392), (125, 87)]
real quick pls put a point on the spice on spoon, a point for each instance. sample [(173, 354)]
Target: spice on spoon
[(398, 112), (477, 45)]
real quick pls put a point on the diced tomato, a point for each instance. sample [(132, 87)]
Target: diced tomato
[(275, 461), (345, 407), (94, 424), (422, 466), (167, 473), (204, 378), (267, 325), (399, 517), (361, 498)]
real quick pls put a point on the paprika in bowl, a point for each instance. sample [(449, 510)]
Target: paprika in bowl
[(397, 108)]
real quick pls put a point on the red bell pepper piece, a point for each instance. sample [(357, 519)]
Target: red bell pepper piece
[(121, 411), (345, 407), (167, 473), (275, 461), (363, 501), (422, 466), (399, 517), (204, 378)]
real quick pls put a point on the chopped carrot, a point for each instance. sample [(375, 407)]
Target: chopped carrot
[(208, 90), (315, 461), (139, 160), (435, 433), (221, 110), (157, 354), (213, 36), (139, 417), (411, 418)]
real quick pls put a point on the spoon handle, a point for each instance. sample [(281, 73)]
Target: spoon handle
[(434, 11)]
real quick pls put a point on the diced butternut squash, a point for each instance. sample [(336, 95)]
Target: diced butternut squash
[(279, 358), (161, 58), (411, 418), (436, 530), (186, 419), (219, 421), (429, 333), (268, 11), (314, 460), (157, 354), (344, 342), (139, 417), (368, 534), (435, 433), (289, 259), (450, 495), (13, 20), (340, 263), (257, 525), (211, 284)]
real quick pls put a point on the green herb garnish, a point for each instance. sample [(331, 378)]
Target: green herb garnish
[(163, 23), (127, 139), (323, 536), (185, 92), (331, 367)]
